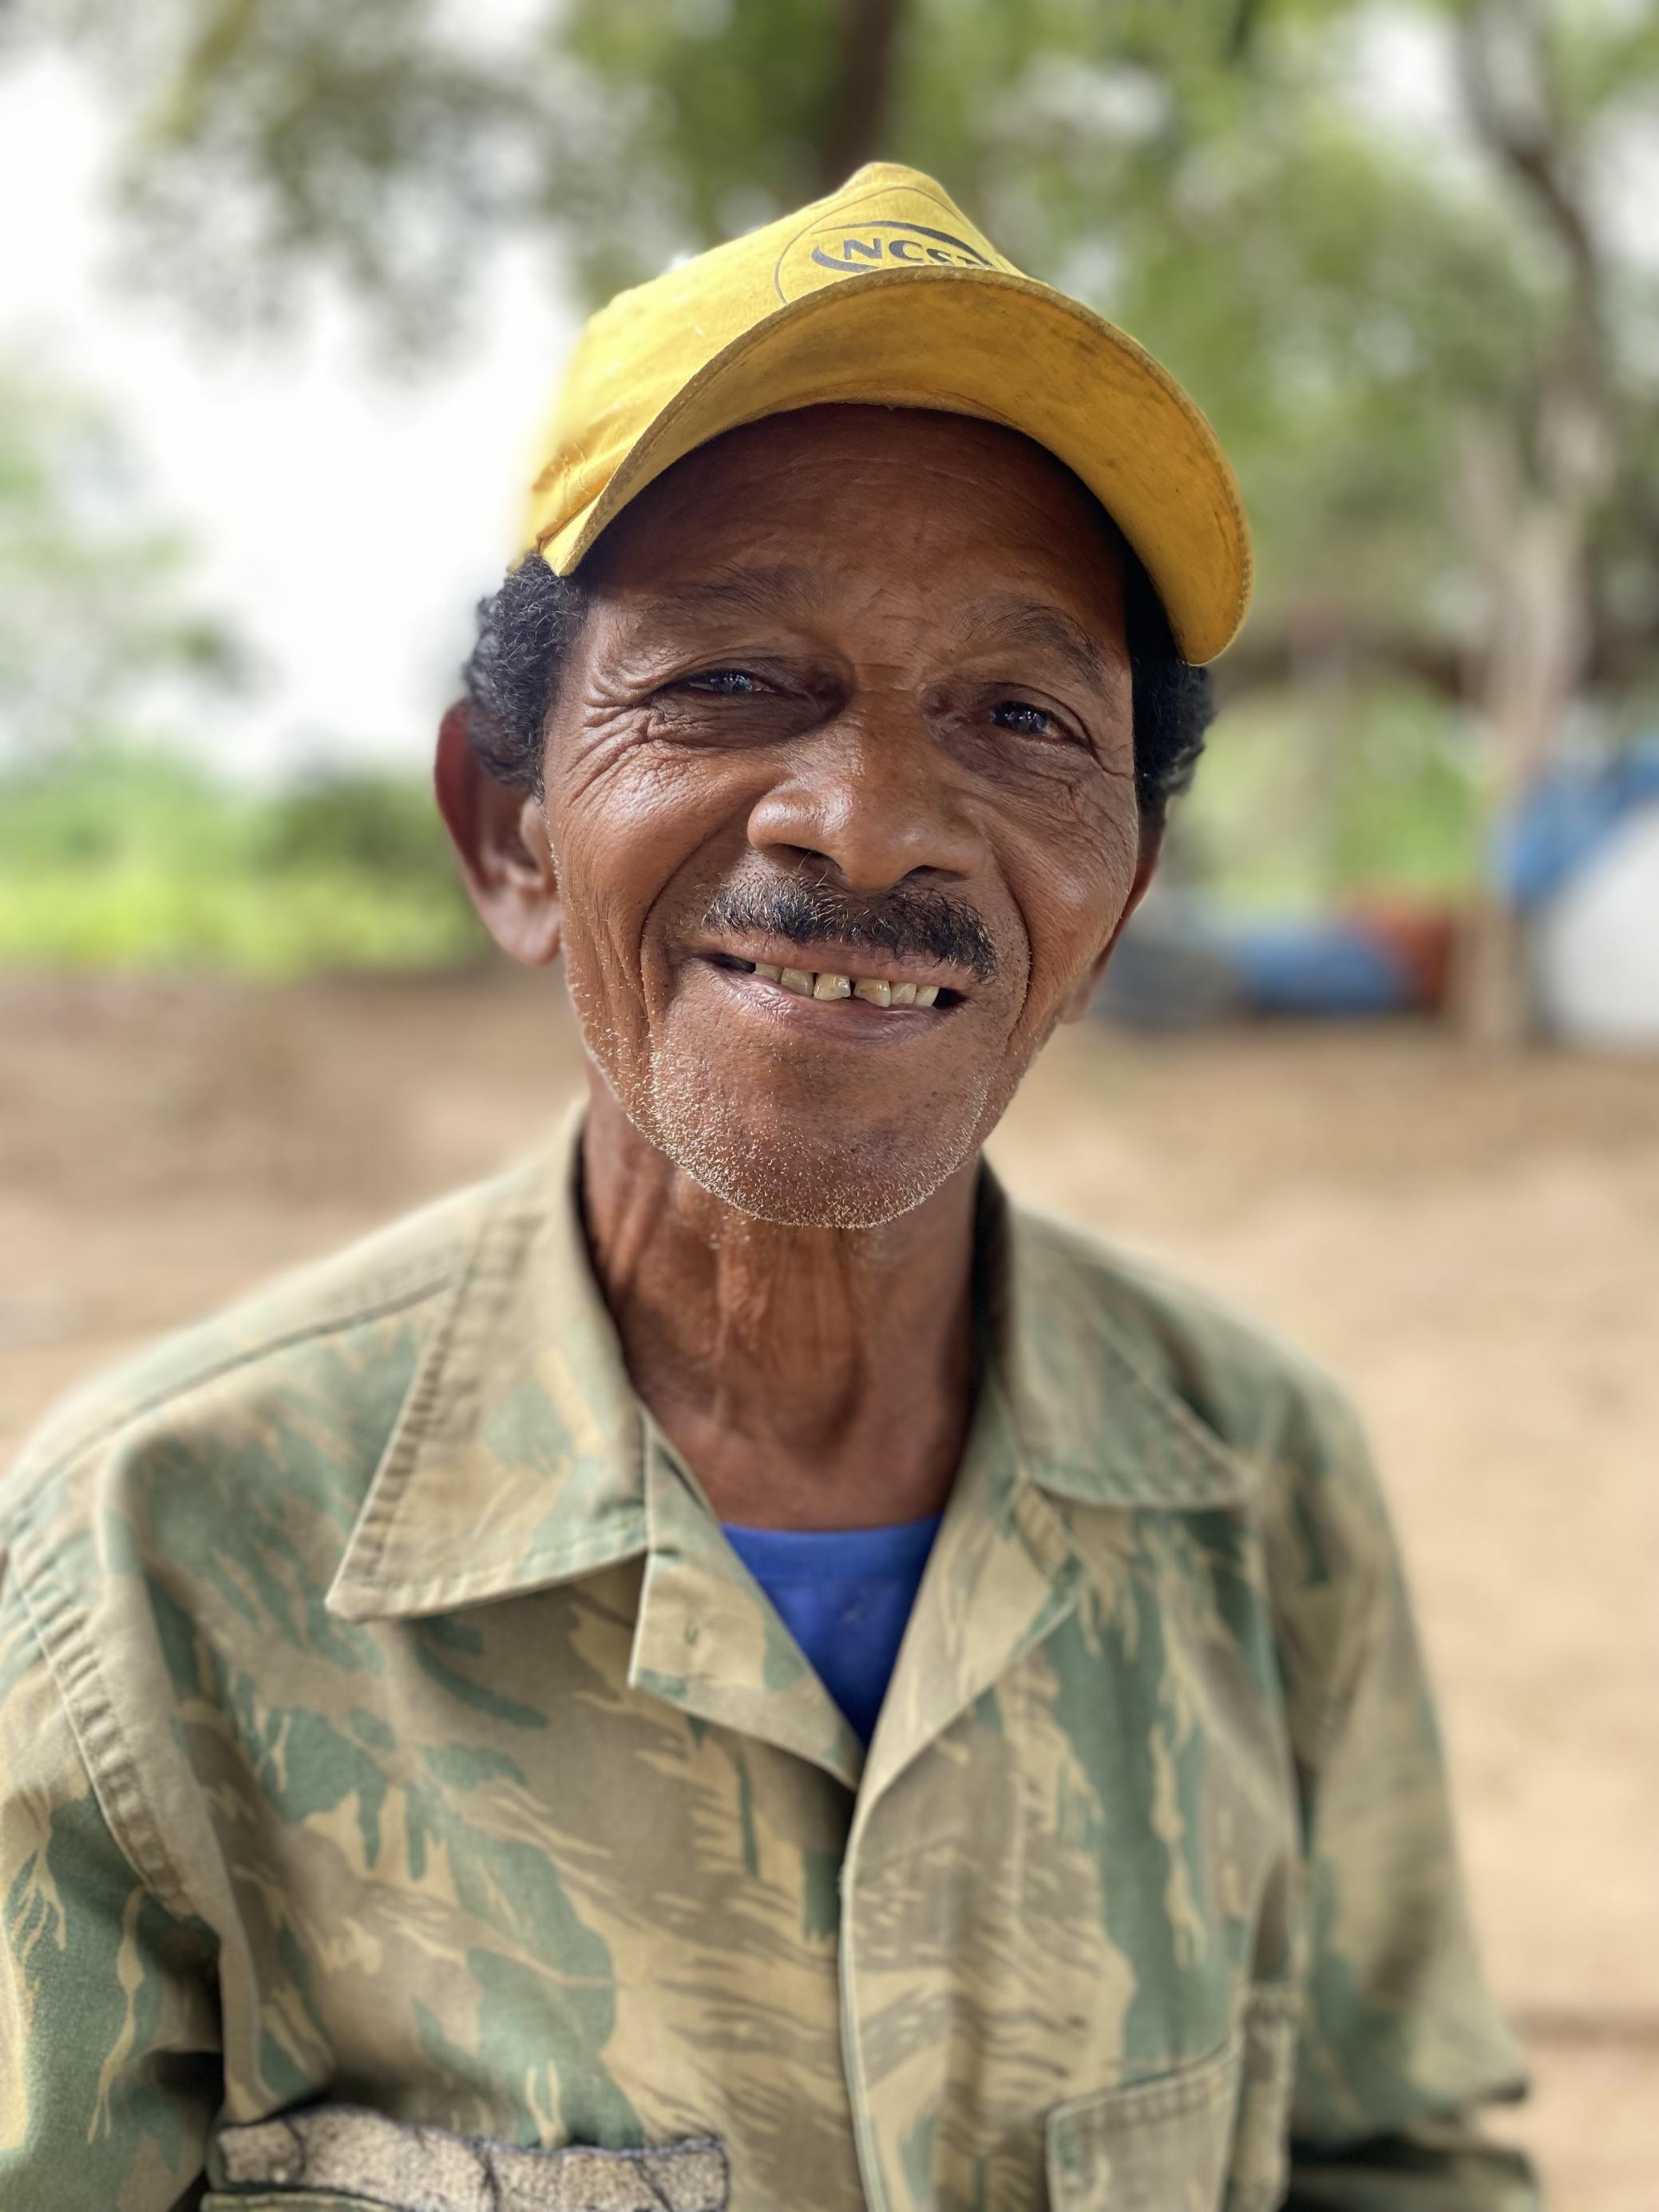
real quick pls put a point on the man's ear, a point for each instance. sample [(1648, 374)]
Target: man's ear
[(1151, 844), (501, 838)]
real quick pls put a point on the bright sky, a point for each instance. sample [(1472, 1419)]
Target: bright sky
[(345, 521)]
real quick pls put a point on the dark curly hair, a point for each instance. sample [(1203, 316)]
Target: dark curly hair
[(526, 629)]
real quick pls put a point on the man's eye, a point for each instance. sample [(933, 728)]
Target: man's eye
[(726, 683), (1024, 720)]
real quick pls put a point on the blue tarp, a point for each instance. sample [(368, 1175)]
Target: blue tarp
[(1567, 815), (1185, 960), (1327, 967)]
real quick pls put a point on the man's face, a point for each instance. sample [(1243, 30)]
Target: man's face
[(853, 699)]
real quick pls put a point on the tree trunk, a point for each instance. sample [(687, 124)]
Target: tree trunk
[(1535, 552), (1530, 526), (864, 85)]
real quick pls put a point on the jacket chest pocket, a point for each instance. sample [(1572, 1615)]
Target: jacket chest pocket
[(339, 2158), (1212, 2137)]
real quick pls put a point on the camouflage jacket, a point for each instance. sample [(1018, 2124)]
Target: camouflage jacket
[(407, 1799)]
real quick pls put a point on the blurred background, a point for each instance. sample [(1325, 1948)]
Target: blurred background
[(286, 289)]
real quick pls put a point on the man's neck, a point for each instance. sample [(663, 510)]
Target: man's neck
[(812, 1378)]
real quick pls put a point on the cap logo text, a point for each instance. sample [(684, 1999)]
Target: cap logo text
[(875, 243), (915, 242)]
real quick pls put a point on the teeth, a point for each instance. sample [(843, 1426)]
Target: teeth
[(874, 990)]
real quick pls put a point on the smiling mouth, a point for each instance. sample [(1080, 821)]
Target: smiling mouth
[(826, 983)]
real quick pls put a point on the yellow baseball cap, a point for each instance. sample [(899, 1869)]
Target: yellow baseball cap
[(885, 294)]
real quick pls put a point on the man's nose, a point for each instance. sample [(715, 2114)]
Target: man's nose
[(875, 795)]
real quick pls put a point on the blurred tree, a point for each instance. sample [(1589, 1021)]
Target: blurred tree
[(116, 850), (118, 855), (1531, 502), (1418, 320), (98, 633)]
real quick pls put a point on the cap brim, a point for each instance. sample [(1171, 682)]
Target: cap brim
[(1009, 350)]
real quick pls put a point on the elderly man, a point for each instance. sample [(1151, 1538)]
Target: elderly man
[(730, 1668)]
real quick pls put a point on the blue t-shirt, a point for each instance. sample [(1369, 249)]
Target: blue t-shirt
[(845, 1595)]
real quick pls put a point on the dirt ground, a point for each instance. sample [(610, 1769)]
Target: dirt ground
[(1473, 1244)]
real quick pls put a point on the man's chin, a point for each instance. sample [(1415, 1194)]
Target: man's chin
[(809, 1177)]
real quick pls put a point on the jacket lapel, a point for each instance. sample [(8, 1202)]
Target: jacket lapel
[(1002, 1576), (710, 1640), (1066, 1412)]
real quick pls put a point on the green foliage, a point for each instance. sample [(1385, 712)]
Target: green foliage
[(382, 827), (114, 851), (722, 108), (97, 627), (266, 142), (125, 859), (1322, 794)]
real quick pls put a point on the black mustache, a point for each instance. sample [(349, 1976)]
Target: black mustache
[(906, 922)]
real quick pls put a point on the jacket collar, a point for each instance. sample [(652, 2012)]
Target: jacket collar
[(516, 1459), (1072, 1335), (519, 1458)]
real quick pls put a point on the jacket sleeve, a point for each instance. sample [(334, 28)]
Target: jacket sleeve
[(1401, 2042), (109, 2071)]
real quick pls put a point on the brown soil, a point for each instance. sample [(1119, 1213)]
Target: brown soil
[(1472, 1244)]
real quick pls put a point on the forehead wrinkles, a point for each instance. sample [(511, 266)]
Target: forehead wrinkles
[(864, 471), (795, 593), (1099, 658), (791, 589)]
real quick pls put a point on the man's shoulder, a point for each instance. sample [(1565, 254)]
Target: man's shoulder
[(1254, 1390), (336, 1335)]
